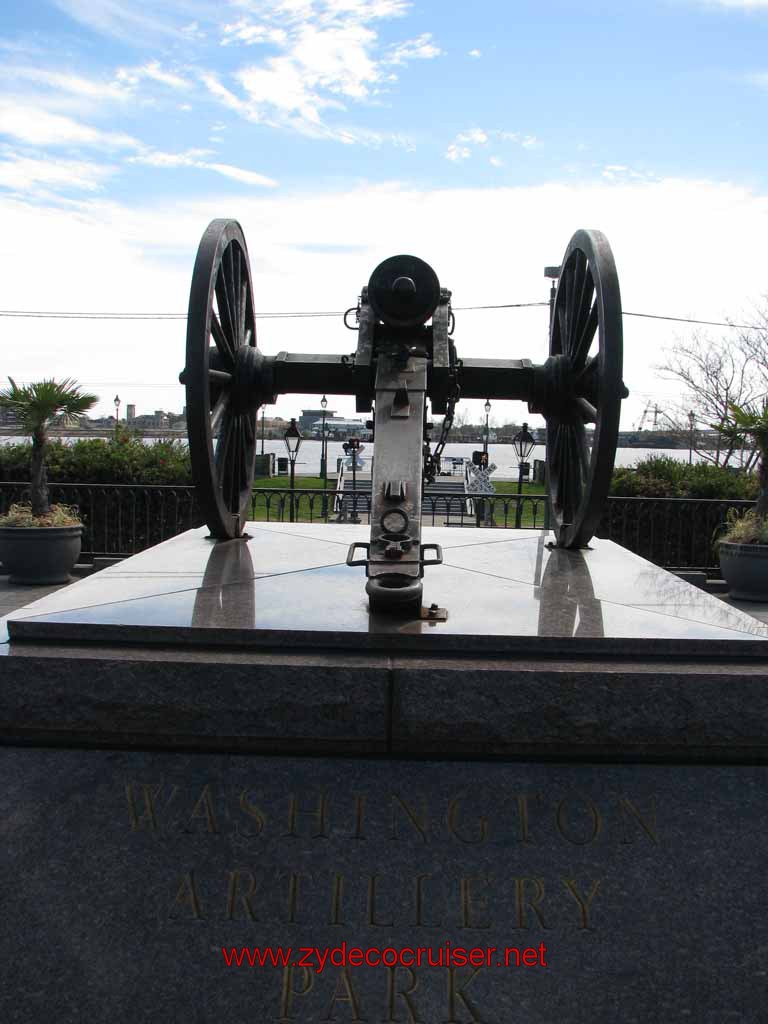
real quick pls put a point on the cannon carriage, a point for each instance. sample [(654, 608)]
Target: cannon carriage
[(406, 355)]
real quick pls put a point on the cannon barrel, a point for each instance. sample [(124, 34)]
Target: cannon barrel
[(404, 291)]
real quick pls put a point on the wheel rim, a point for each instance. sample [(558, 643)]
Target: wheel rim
[(585, 386), (221, 357)]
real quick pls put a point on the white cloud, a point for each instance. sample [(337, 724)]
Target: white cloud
[(241, 174), (249, 33), (197, 158), (328, 54), (74, 85), (474, 135), (495, 161), (461, 147), (475, 53), (421, 48), (153, 71), (25, 174), (139, 256), (37, 126), (759, 78), (126, 19)]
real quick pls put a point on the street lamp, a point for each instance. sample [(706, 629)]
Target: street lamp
[(117, 412), (323, 450), (523, 443), (263, 410), (292, 438), (351, 448), (691, 435), (324, 456), (487, 414)]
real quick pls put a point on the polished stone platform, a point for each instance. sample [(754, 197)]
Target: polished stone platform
[(505, 591), (266, 645)]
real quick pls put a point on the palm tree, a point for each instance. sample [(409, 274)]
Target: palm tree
[(35, 406), (747, 426)]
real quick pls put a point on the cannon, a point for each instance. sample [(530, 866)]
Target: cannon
[(405, 355)]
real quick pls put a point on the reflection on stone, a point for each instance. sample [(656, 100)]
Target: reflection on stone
[(567, 603), (222, 603)]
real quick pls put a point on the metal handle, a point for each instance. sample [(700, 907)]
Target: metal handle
[(351, 560), (432, 561)]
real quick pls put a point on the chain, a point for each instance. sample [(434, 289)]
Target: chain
[(432, 459)]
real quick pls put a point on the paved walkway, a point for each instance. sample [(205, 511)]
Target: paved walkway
[(13, 596)]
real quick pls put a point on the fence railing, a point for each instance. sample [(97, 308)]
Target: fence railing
[(121, 519), (673, 532)]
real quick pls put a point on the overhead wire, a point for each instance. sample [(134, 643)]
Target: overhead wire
[(77, 315)]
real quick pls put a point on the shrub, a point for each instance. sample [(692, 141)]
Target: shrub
[(121, 460), (664, 477), (57, 515)]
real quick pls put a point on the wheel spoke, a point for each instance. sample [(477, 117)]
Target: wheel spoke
[(586, 335), (225, 307), (219, 409), (583, 293), (559, 327), (242, 297), (221, 340), (573, 457), (219, 377), (224, 445), (567, 306), (228, 266), (587, 411)]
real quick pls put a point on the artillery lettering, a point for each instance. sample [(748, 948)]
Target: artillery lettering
[(468, 820), (473, 903)]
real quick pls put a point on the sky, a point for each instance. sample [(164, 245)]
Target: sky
[(340, 132)]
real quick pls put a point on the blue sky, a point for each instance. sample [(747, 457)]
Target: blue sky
[(338, 131)]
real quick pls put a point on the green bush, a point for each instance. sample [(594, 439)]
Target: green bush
[(663, 477), (120, 460)]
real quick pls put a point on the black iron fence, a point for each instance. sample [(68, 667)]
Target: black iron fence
[(121, 519), (673, 532)]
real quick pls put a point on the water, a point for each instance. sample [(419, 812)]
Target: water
[(503, 455)]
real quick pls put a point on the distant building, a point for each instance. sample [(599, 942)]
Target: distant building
[(308, 416), (130, 413), (338, 427)]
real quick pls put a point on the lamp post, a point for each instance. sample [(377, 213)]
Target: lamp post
[(323, 448), (691, 437), (292, 439), (263, 409), (485, 442), (351, 448), (117, 412), (523, 443)]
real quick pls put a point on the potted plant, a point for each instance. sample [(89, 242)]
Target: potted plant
[(743, 547), (40, 542)]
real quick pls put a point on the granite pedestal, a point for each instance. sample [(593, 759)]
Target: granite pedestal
[(213, 747)]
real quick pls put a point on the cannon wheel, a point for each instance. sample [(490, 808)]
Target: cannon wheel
[(585, 362), (221, 353)]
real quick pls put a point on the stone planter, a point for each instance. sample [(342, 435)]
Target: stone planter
[(40, 554), (745, 570)]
